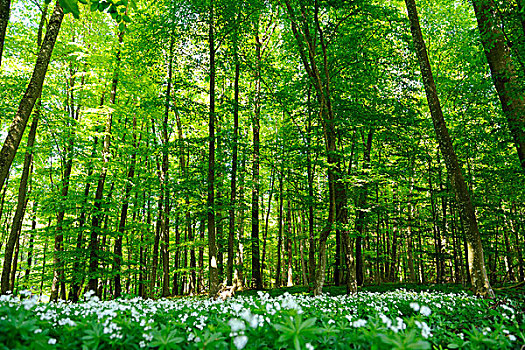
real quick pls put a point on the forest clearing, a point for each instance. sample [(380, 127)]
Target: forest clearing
[(352, 170)]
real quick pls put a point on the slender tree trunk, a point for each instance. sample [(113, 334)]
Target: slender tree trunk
[(58, 263), (117, 260), (475, 249), (78, 273), (280, 234), (201, 280), (311, 198), (444, 227), (14, 235), (165, 219), (256, 258), (33, 91), (289, 260), (517, 244), (361, 204), (184, 168), (410, 244), (307, 43), (31, 251), (96, 220), (12, 275), (503, 73), (212, 242), (5, 9), (233, 185), (435, 227), (266, 223)]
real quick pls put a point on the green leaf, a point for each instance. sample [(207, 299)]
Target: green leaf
[(70, 6), (102, 6), (126, 18)]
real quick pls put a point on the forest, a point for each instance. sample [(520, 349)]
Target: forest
[(169, 148)]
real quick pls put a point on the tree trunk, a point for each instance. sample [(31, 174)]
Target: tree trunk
[(212, 243), (58, 263), (256, 259), (280, 234), (320, 79), (233, 185), (289, 271), (503, 73), (5, 9), (14, 235), (480, 281), (93, 248), (117, 260), (361, 204), (311, 199), (31, 251), (165, 219), (33, 91), (78, 273)]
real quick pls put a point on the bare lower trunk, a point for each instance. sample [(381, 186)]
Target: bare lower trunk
[(478, 273)]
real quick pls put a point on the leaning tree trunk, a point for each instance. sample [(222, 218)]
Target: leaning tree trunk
[(504, 76), (16, 226), (478, 273), (19, 214), (33, 91), (5, 9)]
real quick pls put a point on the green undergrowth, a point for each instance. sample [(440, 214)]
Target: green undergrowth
[(378, 317)]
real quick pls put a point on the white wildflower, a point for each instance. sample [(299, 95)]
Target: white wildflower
[(386, 320), (236, 325), (52, 341), (359, 323), (425, 310), (240, 341), (414, 306)]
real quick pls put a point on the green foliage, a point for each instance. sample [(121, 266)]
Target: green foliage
[(298, 332), (165, 339)]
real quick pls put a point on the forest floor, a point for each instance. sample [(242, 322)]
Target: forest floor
[(389, 316)]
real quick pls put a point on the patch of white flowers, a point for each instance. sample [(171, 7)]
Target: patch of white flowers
[(248, 316)]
